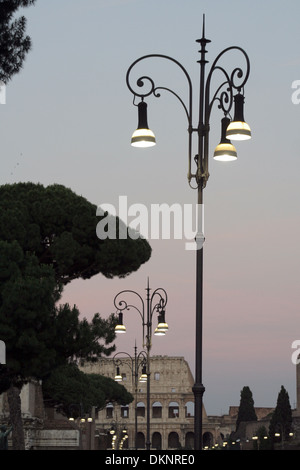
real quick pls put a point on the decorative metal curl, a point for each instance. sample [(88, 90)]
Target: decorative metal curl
[(162, 301), (225, 98), (154, 303), (235, 80), (239, 73), (133, 362), (153, 88), (140, 83), (122, 304)]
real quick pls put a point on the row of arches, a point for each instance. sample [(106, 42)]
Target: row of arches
[(156, 441), (156, 410), (172, 441)]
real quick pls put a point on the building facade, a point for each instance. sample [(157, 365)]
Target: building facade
[(171, 414), (43, 429), (171, 407)]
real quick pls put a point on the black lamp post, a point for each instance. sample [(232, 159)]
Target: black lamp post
[(229, 94), (134, 363), (154, 303)]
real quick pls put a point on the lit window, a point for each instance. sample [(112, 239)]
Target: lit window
[(189, 409), (125, 411), (109, 411), (173, 410)]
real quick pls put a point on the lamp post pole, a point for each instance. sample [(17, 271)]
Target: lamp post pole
[(237, 129), (156, 302)]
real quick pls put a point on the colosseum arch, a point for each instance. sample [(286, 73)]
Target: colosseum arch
[(173, 440), (140, 440), (156, 440)]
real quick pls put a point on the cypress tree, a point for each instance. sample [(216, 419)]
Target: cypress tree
[(281, 421), (246, 408)]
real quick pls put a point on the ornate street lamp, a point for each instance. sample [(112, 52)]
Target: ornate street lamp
[(118, 435), (155, 303), (135, 363), (229, 94)]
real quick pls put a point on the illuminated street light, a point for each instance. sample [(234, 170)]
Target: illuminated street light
[(229, 93), (155, 303)]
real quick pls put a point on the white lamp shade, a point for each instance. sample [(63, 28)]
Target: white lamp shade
[(159, 332), (143, 138), (162, 326), (225, 152), (238, 130), (120, 329)]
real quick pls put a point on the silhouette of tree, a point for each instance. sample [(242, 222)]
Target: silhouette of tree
[(47, 239), (68, 385), (246, 409), (281, 421), (14, 43)]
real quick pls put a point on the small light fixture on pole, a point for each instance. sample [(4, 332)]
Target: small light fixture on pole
[(120, 328), (143, 377), (142, 136), (238, 129), (225, 151), (162, 326), (118, 376)]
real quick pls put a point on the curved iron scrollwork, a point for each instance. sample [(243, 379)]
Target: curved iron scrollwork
[(153, 88), (133, 362), (122, 304), (225, 97), (233, 81), (156, 303)]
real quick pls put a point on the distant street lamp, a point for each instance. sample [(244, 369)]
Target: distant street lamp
[(155, 303), (228, 94), (134, 363), (118, 436)]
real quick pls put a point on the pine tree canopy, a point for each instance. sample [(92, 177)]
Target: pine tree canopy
[(68, 385), (59, 229), (14, 43), (48, 238)]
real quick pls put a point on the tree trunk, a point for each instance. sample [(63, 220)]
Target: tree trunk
[(14, 401)]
